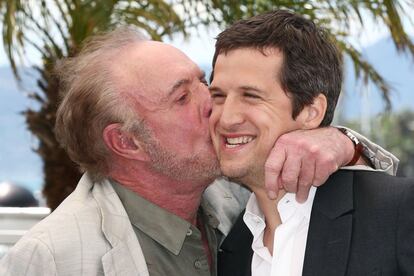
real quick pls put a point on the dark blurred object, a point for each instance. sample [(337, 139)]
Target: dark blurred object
[(13, 195)]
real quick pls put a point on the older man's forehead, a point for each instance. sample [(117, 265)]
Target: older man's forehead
[(151, 71), (139, 58)]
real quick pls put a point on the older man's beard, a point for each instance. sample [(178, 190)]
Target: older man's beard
[(200, 166)]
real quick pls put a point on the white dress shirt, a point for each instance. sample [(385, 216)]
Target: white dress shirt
[(289, 240)]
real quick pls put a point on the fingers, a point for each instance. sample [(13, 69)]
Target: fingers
[(306, 179), (273, 167), (301, 159), (324, 167), (291, 171)]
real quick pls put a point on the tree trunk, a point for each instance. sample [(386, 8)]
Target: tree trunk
[(60, 174)]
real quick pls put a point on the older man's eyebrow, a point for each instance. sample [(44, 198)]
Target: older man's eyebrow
[(176, 86)]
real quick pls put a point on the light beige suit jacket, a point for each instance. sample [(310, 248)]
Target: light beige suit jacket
[(90, 234)]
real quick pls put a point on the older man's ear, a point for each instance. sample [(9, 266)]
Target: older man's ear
[(312, 115), (123, 143)]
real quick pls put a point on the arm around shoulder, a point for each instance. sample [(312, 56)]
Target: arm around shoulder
[(381, 159), (30, 256)]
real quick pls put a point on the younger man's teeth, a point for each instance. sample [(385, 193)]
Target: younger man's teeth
[(239, 140), (231, 146)]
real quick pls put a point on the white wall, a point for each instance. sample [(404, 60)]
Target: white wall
[(14, 223)]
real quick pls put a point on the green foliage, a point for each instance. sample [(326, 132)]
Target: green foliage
[(57, 28)]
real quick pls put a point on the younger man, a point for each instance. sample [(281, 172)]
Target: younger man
[(275, 73)]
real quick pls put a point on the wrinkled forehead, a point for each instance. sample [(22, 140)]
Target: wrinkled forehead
[(151, 68), (152, 60)]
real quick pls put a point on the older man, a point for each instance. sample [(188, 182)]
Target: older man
[(275, 73), (134, 116)]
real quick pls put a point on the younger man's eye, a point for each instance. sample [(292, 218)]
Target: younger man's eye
[(218, 98), (252, 96), (216, 95)]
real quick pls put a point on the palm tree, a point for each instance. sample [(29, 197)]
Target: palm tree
[(57, 28)]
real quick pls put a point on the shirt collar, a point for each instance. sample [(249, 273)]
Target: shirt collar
[(166, 228), (287, 207), (162, 226), (254, 217)]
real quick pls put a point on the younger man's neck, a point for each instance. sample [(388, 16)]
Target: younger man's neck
[(268, 206), (270, 212)]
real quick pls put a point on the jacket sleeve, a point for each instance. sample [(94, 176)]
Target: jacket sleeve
[(30, 256), (381, 159), (405, 231)]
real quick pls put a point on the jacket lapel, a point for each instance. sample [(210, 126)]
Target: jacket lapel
[(330, 228), (126, 256), (118, 260), (235, 253)]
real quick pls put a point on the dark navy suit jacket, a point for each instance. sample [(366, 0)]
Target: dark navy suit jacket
[(362, 223)]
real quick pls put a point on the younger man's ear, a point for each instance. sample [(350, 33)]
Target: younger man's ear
[(312, 115), (122, 143)]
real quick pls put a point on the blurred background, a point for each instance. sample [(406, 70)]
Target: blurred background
[(375, 38)]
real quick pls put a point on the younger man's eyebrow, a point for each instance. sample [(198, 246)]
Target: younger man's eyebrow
[(251, 88), (243, 87), (214, 89)]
